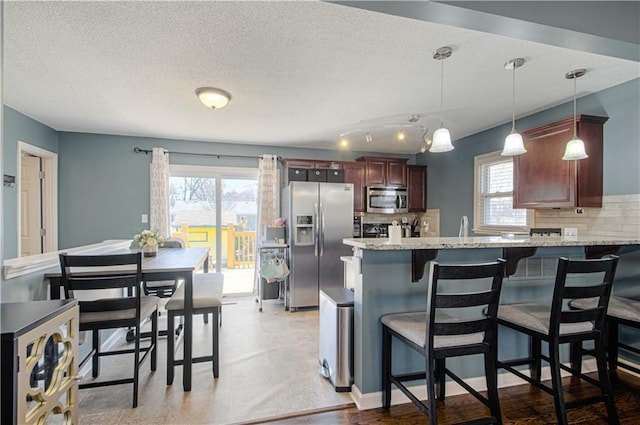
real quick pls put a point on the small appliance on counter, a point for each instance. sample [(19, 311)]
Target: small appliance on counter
[(415, 228), (374, 230), (357, 226), (275, 235)]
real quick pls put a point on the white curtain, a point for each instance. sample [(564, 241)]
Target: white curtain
[(268, 194), (268, 201), (159, 213)]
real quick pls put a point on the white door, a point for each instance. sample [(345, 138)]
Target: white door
[(31, 206)]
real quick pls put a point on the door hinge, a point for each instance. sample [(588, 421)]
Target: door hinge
[(42, 175), (43, 232)]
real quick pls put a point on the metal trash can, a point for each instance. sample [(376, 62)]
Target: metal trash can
[(336, 337)]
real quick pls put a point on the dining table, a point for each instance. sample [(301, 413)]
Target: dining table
[(167, 264)]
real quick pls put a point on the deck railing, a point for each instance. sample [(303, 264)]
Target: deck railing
[(238, 247), (241, 248)]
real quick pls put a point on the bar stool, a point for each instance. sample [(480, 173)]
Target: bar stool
[(436, 335), (556, 324), (621, 311), (207, 298)]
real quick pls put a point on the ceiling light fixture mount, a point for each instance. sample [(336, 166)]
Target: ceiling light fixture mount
[(442, 137), (513, 144), (405, 128), (212, 97), (575, 146)]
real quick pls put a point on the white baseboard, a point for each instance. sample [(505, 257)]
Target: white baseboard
[(505, 379), (630, 363)]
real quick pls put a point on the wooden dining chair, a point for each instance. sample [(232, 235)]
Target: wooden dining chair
[(163, 288), (621, 312), (557, 324), (87, 277), (207, 298), (453, 325)]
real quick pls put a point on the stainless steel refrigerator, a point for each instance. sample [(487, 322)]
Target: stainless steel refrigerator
[(319, 216)]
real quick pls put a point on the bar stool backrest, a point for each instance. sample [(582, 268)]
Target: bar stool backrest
[(483, 300), (561, 315), (88, 273)]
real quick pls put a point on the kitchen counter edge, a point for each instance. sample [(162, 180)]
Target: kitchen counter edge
[(383, 244)]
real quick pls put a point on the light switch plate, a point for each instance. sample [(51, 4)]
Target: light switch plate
[(145, 218)]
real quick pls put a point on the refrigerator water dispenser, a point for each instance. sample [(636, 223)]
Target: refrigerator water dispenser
[(304, 230)]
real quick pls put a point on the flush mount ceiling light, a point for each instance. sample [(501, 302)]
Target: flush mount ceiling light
[(513, 144), (213, 98), (442, 137), (575, 146)]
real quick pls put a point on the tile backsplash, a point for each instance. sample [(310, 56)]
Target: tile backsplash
[(430, 217), (619, 216)]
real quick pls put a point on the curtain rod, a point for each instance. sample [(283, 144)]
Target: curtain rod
[(147, 151)]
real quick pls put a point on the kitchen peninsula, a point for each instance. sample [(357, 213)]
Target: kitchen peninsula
[(391, 278)]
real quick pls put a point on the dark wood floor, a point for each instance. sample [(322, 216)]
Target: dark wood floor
[(522, 404)]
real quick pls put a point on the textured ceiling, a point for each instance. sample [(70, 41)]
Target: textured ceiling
[(300, 73)]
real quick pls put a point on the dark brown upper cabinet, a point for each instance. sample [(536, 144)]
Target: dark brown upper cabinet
[(417, 185), (384, 171), (541, 179), (354, 173)]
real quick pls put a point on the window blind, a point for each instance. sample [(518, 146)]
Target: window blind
[(495, 195)]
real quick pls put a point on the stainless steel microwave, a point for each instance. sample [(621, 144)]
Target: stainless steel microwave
[(387, 200)]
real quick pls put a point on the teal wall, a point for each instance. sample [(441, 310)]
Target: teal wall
[(104, 186), (450, 174), (18, 127)]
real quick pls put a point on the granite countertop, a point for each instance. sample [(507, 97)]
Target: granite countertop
[(383, 244)]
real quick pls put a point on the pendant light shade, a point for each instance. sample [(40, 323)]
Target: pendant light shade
[(575, 147), (442, 137), (575, 150), (441, 141), (513, 143)]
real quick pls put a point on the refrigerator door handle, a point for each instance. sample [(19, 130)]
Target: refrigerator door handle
[(321, 240), (316, 229)]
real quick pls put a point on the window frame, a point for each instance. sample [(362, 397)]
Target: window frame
[(217, 173), (478, 201)]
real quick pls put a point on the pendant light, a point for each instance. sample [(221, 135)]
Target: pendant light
[(575, 146), (513, 143), (442, 137)]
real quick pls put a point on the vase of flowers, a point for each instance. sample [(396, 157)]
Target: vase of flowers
[(149, 241)]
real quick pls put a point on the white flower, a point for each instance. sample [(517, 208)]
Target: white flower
[(147, 237)]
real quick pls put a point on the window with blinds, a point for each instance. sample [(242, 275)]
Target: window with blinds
[(493, 206)]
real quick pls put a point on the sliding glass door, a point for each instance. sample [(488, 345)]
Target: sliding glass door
[(217, 208)]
